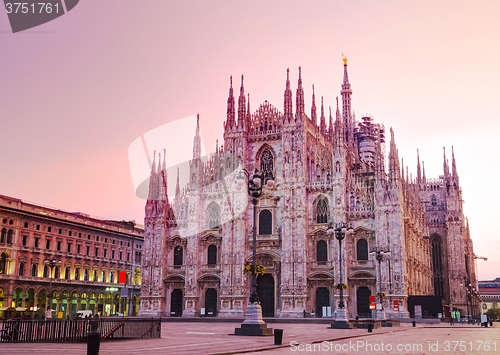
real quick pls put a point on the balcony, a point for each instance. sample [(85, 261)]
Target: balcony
[(322, 265), (362, 264), (176, 269), (266, 240), (210, 268)]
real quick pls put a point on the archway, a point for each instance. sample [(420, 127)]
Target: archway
[(265, 290), (176, 303), (363, 302), (322, 300), (211, 302)]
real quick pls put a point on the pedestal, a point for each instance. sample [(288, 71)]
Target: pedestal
[(380, 314), (253, 324), (341, 321)]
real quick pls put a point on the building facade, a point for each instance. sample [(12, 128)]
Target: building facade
[(89, 254), (326, 169), (489, 292)]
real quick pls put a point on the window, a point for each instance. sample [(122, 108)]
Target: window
[(66, 273), (105, 252), (434, 200), (265, 222), (3, 237), (70, 233), (322, 211), (213, 216), (3, 263), (25, 224), (96, 251), (121, 242), (56, 272), (37, 227), (94, 275), (121, 253), (88, 249), (112, 254), (69, 247), (86, 275), (212, 255), (111, 277), (60, 230), (77, 274), (59, 242), (321, 251), (362, 249), (97, 238), (103, 276), (25, 240), (79, 235), (178, 255), (45, 271), (128, 256), (47, 244), (34, 270), (266, 166), (49, 229), (36, 242), (10, 235), (21, 269), (79, 249)]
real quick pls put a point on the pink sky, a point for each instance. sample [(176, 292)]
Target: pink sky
[(76, 92)]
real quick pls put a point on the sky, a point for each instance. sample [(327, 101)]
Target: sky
[(77, 91)]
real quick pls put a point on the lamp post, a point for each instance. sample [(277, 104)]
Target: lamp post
[(340, 230), (51, 262), (379, 253), (468, 299), (253, 324)]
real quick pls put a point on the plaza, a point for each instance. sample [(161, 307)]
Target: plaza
[(216, 338)]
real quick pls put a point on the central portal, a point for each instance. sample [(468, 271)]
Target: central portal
[(265, 290), (363, 301)]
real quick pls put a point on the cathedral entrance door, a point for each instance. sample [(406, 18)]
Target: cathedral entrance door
[(363, 302), (265, 290), (176, 303), (322, 300), (211, 302)]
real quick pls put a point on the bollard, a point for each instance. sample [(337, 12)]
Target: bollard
[(370, 327), (93, 343), (413, 323), (278, 336)]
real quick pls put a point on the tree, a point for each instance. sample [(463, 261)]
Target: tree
[(493, 313)]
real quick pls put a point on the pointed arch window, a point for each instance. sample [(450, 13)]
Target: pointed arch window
[(362, 249), (178, 255), (322, 211), (21, 269), (266, 165), (4, 234), (213, 216), (321, 251), (77, 274), (34, 270), (3, 263), (66, 274), (265, 222), (433, 200), (437, 267), (9, 236)]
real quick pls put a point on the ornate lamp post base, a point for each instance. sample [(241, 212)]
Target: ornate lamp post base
[(253, 324)]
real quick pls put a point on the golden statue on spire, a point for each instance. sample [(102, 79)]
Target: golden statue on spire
[(344, 58)]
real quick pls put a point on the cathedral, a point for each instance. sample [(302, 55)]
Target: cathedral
[(327, 170)]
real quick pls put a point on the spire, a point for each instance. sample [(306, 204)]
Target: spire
[(445, 164), (249, 116), (197, 140), (394, 172), (241, 105), (230, 122), (177, 188), (152, 179), (453, 164), (346, 93), (313, 109), (419, 178), (424, 180), (299, 99), (288, 106)]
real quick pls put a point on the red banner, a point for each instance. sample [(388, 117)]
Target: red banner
[(122, 277)]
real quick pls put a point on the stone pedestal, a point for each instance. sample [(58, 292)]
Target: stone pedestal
[(341, 321), (253, 324)]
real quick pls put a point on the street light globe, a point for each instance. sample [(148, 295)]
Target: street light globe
[(270, 183), (330, 231), (256, 181)]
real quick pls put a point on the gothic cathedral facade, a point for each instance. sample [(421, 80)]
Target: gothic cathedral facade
[(198, 243)]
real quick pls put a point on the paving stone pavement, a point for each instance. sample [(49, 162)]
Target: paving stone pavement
[(215, 338)]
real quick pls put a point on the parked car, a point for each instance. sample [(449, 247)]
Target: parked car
[(83, 314)]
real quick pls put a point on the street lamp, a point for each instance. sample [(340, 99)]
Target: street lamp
[(340, 232), (51, 262), (468, 299), (379, 253), (253, 314)]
